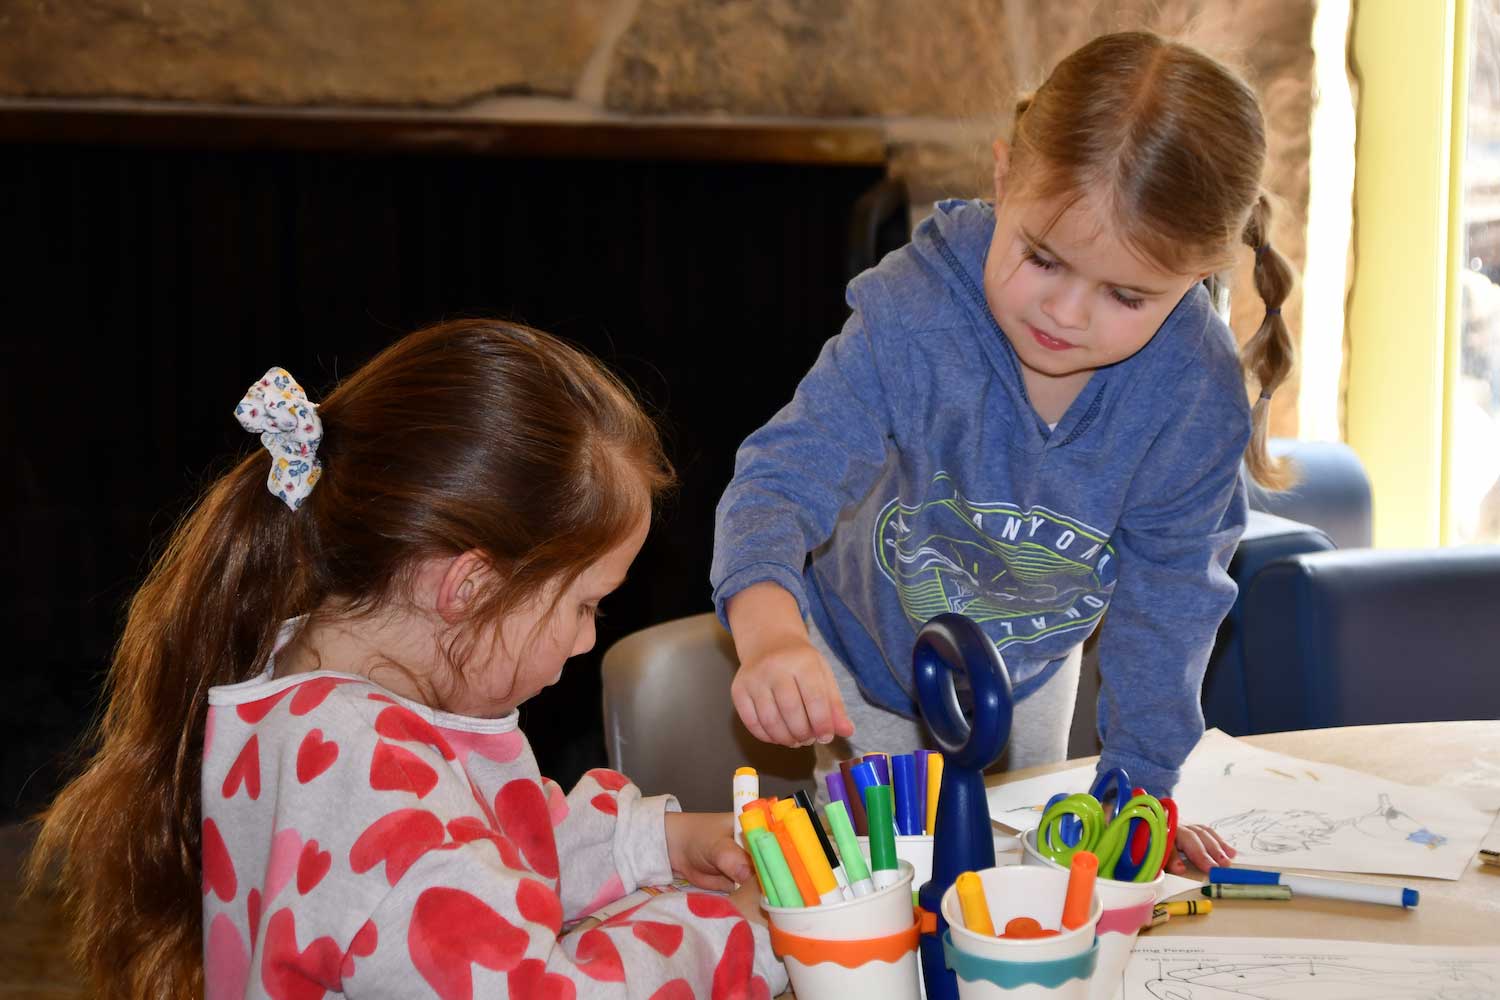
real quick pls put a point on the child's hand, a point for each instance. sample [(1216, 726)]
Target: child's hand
[(1202, 846), (746, 899), (784, 691), (702, 850)]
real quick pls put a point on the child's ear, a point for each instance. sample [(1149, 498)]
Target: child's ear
[(461, 584), (1002, 165)]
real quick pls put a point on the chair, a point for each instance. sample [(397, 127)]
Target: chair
[(669, 723)]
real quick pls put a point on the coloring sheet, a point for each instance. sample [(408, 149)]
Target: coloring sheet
[(1192, 968), (1282, 812)]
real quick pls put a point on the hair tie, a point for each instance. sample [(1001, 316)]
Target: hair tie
[(1273, 310), (1260, 251), (1265, 395), (278, 410)]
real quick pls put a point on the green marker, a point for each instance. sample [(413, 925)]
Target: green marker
[(776, 868), (767, 887), (854, 860), (878, 810)]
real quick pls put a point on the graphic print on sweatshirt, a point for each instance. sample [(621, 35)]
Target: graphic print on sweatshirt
[(1025, 575)]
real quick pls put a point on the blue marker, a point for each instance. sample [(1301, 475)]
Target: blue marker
[(909, 812), (1310, 885)]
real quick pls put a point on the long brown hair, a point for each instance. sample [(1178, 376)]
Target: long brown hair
[(468, 435), (1177, 145)]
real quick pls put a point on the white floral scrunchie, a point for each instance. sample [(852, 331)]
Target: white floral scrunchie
[(278, 410)]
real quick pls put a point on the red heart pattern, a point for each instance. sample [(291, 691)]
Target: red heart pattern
[(665, 938), (253, 711), (609, 780), (540, 905), (363, 944), (398, 723), (252, 914), (521, 812), (398, 839), (394, 768), (290, 973), (245, 770), (312, 866), (531, 980), (605, 803), (310, 693), (598, 958), (315, 755), (451, 930), (737, 965), (218, 866), (674, 989)]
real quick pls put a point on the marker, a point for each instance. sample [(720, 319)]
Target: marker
[(1159, 916), (805, 801), (1186, 907), (866, 778), (805, 888), (777, 868), (800, 826), (882, 766), (781, 810), (755, 819), (746, 790), (1326, 888), (975, 908), (1247, 891), (934, 786), (755, 847), (919, 766), (883, 867), (909, 812), (854, 861), (854, 798), (1080, 898), (836, 792)]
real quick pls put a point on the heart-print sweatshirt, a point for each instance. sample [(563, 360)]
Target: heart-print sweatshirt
[(358, 844)]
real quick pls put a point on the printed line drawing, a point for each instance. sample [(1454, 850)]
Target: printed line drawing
[(1315, 979), (1284, 831)]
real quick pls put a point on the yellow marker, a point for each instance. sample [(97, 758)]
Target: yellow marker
[(755, 819), (1188, 907), (799, 826), (934, 785), (782, 809), (975, 908)]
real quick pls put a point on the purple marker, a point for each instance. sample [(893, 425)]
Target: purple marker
[(919, 762), (836, 792), (882, 766)]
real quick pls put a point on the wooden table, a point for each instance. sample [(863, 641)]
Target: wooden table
[(1437, 754)]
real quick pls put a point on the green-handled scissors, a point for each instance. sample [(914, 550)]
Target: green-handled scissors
[(1109, 841)]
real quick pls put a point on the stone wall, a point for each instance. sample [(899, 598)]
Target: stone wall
[(937, 77)]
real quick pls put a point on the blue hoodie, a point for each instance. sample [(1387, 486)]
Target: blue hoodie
[(912, 467)]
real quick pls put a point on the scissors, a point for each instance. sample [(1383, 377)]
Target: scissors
[(1113, 782), (1109, 839), (1140, 840)]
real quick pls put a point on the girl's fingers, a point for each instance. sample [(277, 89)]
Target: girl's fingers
[(793, 712)]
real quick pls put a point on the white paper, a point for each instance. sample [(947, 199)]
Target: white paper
[(1200, 968), (1279, 811)]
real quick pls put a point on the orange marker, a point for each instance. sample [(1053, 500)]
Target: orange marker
[(971, 901), (1026, 927), (805, 886), (1080, 898)]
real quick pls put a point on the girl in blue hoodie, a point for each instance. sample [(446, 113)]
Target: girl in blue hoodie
[(1033, 415)]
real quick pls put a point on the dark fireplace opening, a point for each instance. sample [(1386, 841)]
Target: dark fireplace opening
[(148, 284)]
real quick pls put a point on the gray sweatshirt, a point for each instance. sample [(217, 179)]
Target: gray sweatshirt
[(910, 475)]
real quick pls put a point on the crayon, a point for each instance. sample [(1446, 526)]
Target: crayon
[(1082, 873), (1215, 891), (1159, 916), (854, 861), (976, 909), (776, 866), (853, 798), (1325, 888), (1489, 857), (746, 789), (934, 786), (799, 827), (1187, 907), (883, 866)]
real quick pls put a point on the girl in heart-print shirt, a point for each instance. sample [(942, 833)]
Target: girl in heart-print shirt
[(310, 780)]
